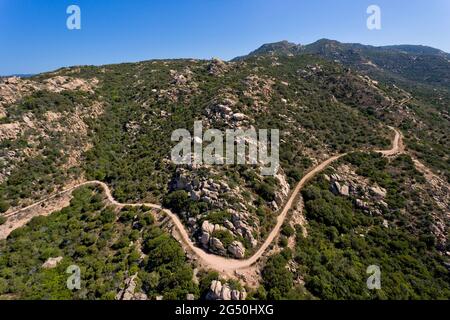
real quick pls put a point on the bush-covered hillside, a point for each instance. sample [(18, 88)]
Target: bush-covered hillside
[(109, 245)]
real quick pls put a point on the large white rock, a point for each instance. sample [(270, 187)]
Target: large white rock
[(226, 292), (217, 246), (379, 192), (207, 227)]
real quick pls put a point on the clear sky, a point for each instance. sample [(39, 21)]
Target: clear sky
[(34, 37)]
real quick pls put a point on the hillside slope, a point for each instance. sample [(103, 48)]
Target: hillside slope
[(114, 123)]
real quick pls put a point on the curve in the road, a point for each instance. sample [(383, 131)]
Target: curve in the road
[(211, 260)]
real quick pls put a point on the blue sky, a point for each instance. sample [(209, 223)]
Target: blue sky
[(34, 37)]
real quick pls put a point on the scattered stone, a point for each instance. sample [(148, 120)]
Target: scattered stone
[(128, 292), (190, 297), (237, 249), (217, 67), (343, 190), (226, 292), (217, 246), (378, 192), (207, 227), (217, 291), (204, 239), (235, 295), (361, 204), (52, 262), (239, 116), (335, 177)]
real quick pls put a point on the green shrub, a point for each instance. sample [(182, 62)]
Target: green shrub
[(287, 230), (4, 206)]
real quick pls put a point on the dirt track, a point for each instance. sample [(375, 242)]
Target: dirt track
[(212, 261)]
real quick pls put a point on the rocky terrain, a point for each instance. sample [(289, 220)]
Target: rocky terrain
[(90, 123)]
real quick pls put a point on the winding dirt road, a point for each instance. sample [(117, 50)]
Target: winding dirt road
[(212, 261)]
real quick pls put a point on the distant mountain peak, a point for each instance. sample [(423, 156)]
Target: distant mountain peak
[(415, 63), (283, 47)]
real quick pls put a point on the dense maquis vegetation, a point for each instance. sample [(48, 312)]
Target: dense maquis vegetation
[(320, 107), (132, 140), (343, 241), (44, 169), (109, 246), (131, 137)]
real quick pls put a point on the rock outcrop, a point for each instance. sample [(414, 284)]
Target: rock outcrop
[(52, 263), (217, 67), (13, 89), (128, 293), (237, 249)]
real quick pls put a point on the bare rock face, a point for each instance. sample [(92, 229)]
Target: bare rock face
[(52, 263), (204, 239), (127, 293), (208, 241), (207, 227), (9, 130), (217, 193), (223, 110), (237, 249), (199, 189), (242, 228), (361, 204), (345, 191), (216, 245), (239, 116), (283, 190), (62, 83), (214, 290), (217, 67), (235, 295), (226, 292), (378, 192), (14, 88), (342, 190), (190, 297)]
